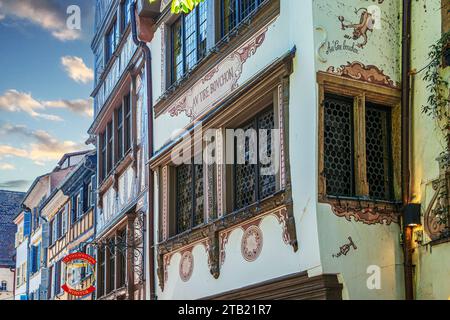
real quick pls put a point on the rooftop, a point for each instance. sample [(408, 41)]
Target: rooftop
[(9, 205)]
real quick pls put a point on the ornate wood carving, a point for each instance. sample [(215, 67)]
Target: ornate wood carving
[(213, 251), (281, 121), (358, 71), (165, 202)]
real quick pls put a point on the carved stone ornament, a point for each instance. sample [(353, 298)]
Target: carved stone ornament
[(367, 73), (252, 243)]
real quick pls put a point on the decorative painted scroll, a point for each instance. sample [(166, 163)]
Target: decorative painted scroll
[(252, 240), (370, 214), (358, 71)]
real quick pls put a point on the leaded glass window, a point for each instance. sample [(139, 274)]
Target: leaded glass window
[(189, 197), (344, 151), (235, 11), (189, 36), (250, 185), (338, 143), (378, 146)]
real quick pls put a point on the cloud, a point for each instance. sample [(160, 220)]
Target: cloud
[(80, 106), (43, 148), (77, 69), (6, 166), (15, 101), (48, 14), (14, 184), (8, 151)]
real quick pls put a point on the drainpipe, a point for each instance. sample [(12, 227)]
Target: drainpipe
[(13, 270), (149, 229), (406, 144)]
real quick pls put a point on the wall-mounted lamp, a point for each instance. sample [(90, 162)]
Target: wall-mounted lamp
[(411, 215)]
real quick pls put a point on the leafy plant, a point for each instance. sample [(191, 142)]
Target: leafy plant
[(438, 100), (185, 6)]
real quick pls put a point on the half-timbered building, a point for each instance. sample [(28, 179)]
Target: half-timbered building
[(119, 132), (70, 215)]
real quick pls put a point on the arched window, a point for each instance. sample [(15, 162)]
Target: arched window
[(3, 286)]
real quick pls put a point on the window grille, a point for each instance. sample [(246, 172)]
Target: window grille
[(339, 146)]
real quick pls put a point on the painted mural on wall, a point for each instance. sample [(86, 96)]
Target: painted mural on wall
[(359, 39)]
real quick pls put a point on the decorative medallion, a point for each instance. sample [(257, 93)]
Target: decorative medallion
[(252, 243), (186, 266)]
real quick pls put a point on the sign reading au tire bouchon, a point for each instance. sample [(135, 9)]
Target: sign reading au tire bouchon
[(76, 262)]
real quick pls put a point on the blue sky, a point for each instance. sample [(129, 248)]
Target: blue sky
[(45, 83)]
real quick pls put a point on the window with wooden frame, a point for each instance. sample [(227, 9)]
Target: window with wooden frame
[(250, 183), (123, 128), (189, 197), (101, 272), (127, 122), (110, 144), (111, 266), (233, 12), (104, 144), (122, 260), (359, 129), (126, 13), (58, 276), (111, 41), (120, 131), (188, 40)]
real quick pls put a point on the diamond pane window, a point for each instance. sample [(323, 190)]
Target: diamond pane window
[(250, 185), (338, 146), (189, 197), (378, 146), (267, 182)]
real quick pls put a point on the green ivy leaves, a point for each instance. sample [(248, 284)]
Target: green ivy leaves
[(185, 6), (438, 100)]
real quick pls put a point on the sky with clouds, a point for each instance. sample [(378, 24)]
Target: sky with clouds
[(46, 78)]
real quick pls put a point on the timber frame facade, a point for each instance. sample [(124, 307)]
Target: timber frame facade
[(119, 132)]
